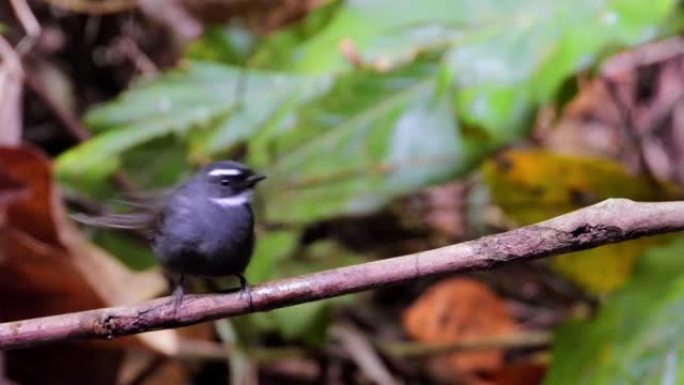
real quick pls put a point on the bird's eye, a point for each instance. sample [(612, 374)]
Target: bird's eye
[(225, 182)]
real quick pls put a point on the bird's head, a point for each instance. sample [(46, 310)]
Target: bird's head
[(228, 183)]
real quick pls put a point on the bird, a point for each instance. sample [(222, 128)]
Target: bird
[(204, 228)]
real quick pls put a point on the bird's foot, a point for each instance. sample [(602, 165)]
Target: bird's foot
[(246, 290), (177, 296)]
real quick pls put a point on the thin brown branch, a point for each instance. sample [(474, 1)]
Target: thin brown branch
[(28, 22), (142, 63), (526, 339), (75, 129), (11, 76), (26, 18), (94, 7), (630, 129), (611, 221), (362, 352), (64, 118)]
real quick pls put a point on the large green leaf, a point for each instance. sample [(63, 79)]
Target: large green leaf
[(272, 250), (637, 337), (371, 138), (464, 79), (225, 103), (505, 55), (230, 44)]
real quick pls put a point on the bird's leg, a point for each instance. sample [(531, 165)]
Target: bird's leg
[(243, 281), (244, 289), (178, 294)]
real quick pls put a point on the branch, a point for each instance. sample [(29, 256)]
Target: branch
[(611, 221), (522, 339), (94, 8)]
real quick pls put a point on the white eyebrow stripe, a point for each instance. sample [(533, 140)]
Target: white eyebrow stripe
[(225, 172)]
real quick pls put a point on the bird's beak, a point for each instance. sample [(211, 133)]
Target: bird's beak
[(254, 179)]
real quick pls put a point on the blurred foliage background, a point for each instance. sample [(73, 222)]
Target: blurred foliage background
[(385, 128)]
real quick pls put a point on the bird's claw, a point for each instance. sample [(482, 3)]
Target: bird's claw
[(245, 290), (177, 296)]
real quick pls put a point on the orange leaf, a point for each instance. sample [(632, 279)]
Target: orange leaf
[(456, 310)]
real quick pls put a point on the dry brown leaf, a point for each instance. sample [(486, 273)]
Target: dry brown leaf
[(48, 267), (49, 251), (630, 112), (590, 125), (520, 374), (457, 310)]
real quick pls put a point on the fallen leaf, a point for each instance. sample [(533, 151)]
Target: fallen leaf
[(48, 267), (460, 309), (46, 254), (10, 189), (531, 186), (524, 373)]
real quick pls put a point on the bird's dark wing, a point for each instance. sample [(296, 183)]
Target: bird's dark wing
[(128, 221), (155, 225), (142, 214)]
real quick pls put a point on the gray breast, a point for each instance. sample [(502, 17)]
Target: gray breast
[(203, 238)]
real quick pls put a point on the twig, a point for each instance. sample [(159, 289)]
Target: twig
[(362, 352), (64, 118), (610, 221), (29, 22), (243, 369), (94, 7), (192, 349), (142, 63), (150, 369), (645, 55), (11, 76), (173, 16), (26, 18), (630, 129), (517, 340), (75, 129)]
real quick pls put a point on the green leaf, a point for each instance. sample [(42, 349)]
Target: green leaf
[(158, 164), (637, 337), (278, 48), (229, 45), (308, 321), (132, 253), (199, 95), (505, 56), (459, 79), (272, 250), (371, 138)]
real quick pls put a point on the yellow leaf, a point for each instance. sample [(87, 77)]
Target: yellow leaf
[(531, 186)]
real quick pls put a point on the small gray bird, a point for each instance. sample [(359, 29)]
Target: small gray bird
[(204, 228)]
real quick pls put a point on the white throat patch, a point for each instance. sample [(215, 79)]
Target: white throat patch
[(225, 172), (237, 200)]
